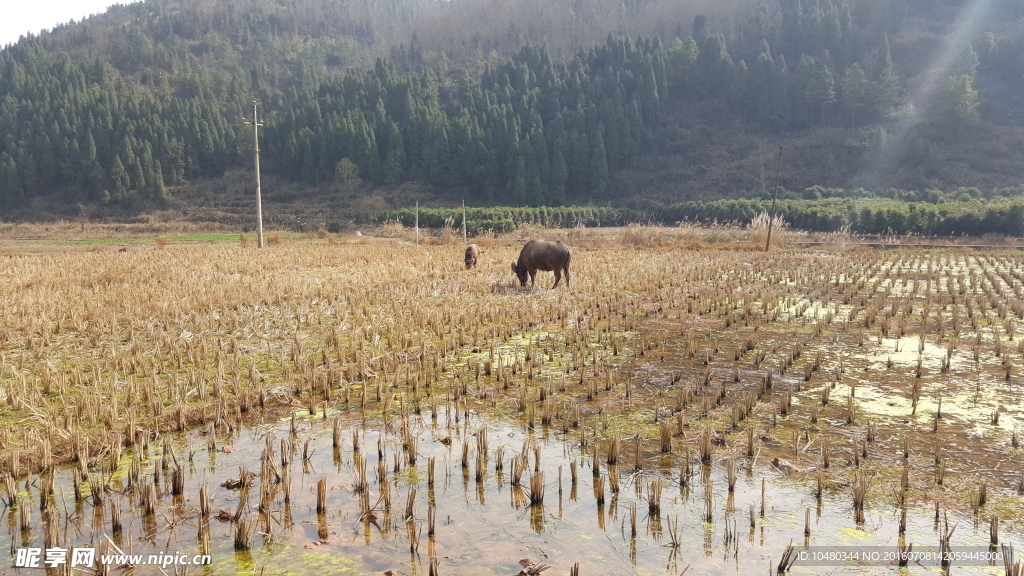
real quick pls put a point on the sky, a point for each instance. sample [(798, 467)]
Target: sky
[(22, 16)]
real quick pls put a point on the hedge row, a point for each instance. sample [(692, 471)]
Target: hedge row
[(864, 215)]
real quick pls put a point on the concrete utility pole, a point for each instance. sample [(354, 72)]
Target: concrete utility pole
[(771, 216), (256, 152)]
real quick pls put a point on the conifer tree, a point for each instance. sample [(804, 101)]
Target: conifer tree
[(855, 90), (157, 188), (394, 163), (10, 185), (821, 89), (556, 187), (120, 182), (598, 165)]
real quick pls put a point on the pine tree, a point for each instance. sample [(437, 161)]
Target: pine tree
[(885, 91), (10, 185), (518, 185), (174, 158), (556, 186), (700, 27), (821, 90), (778, 111), (650, 104), (739, 88), (28, 176), (884, 61), (855, 90), (157, 188), (367, 156), (90, 167), (540, 155), (960, 101), (763, 77), (715, 68), (120, 182), (536, 192), (598, 165), (308, 172), (966, 64), (440, 169), (394, 162), (138, 178), (146, 165)]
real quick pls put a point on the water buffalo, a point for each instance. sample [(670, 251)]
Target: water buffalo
[(542, 255), (472, 253)]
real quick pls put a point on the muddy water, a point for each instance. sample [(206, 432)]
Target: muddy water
[(486, 526)]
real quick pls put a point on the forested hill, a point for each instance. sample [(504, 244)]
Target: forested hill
[(534, 102)]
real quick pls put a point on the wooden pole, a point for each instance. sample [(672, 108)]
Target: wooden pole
[(465, 237), (771, 216), (417, 222)]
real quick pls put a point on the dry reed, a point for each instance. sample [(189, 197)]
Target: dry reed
[(654, 497), (859, 488), (789, 556)]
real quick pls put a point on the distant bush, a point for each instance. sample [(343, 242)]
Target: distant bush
[(872, 215), (825, 212), (476, 227), (555, 217)]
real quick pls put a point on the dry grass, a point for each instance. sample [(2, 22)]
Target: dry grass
[(758, 230), (685, 235), (64, 230), (102, 350), (155, 340), (484, 238), (395, 229), (640, 236)]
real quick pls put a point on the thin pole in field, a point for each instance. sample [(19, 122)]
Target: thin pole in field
[(256, 154), (771, 217)]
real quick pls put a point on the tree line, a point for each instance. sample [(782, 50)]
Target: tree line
[(119, 113), (1001, 214), (870, 215)]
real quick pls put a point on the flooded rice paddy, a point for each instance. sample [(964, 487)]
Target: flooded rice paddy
[(695, 414)]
